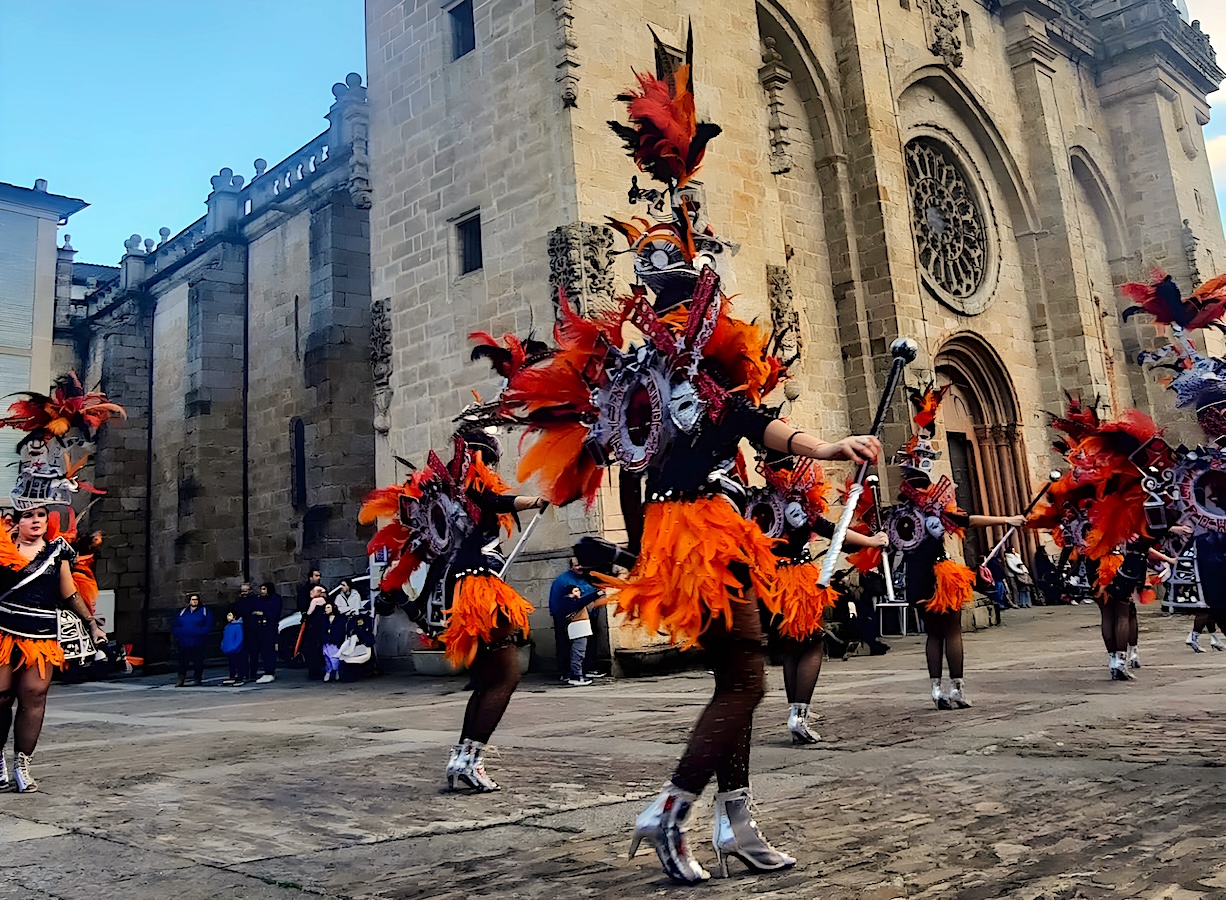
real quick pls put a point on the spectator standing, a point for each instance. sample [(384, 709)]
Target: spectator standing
[(232, 647), (329, 633), (191, 629), (562, 605), (303, 597), (260, 615), (244, 597), (1021, 576), (578, 629), (308, 637), (348, 600)]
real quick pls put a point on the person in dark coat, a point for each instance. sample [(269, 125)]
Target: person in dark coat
[(191, 629), (327, 631), (562, 607), (260, 615)]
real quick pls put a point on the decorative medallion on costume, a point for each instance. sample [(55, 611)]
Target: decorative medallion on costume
[(671, 407), (60, 426), (448, 516)]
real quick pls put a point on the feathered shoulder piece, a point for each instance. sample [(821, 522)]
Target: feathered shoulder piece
[(1099, 503), (804, 482), (1163, 300), (67, 406), (664, 136)]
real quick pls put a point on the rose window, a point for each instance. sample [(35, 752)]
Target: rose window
[(949, 228)]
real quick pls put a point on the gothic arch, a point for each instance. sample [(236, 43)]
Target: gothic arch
[(1008, 174), (1102, 199), (983, 434)]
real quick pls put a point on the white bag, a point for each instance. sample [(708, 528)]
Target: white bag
[(580, 628)]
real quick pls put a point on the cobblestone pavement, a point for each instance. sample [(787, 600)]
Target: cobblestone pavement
[(1058, 784)]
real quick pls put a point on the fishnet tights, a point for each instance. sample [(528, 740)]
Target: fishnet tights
[(719, 743), (944, 632), (802, 664)]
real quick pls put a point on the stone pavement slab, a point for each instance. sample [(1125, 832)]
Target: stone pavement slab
[(1058, 784)]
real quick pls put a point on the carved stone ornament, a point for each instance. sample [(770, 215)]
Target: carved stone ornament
[(774, 77), (381, 361), (945, 30), (568, 57), (786, 341), (581, 262), (1190, 244), (951, 235)]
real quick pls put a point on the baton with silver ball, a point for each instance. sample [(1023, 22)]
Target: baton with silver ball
[(874, 485), (904, 350), (1052, 477)]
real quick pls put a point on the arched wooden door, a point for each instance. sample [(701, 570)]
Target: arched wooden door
[(985, 449)]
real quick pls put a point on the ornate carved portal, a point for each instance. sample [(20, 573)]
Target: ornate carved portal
[(581, 263), (950, 232)]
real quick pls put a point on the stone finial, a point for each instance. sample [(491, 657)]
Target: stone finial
[(261, 166), (150, 243), (132, 244), (352, 85), (67, 242), (164, 233), (226, 180)]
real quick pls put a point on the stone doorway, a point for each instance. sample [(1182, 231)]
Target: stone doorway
[(983, 439)]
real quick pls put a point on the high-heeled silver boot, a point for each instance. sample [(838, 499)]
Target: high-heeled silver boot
[(21, 774), (670, 843), (736, 834), (455, 764), (4, 773), (648, 821), (473, 771), (957, 694), (938, 696), (798, 724)]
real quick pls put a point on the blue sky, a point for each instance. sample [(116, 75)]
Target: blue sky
[(133, 105)]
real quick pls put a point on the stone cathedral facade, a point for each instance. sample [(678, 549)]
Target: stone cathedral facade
[(240, 348), (980, 175)]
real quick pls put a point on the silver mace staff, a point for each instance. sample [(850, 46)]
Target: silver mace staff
[(904, 350), (874, 485), (523, 538), (1052, 477)]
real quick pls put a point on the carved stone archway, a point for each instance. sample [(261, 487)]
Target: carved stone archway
[(983, 436)]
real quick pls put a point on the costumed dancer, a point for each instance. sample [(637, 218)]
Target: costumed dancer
[(41, 573), (448, 516), (673, 409), (1098, 511), (1197, 477), (791, 509), (917, 526)]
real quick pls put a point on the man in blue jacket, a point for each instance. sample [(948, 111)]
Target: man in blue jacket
[(562, 606), (191, 629)]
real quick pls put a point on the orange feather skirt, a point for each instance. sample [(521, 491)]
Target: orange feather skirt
[(479, 605), (955, 587), (31, 652), (802, 600), (684, 575)]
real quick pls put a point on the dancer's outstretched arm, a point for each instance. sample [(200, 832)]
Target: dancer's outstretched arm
[(858, 448)]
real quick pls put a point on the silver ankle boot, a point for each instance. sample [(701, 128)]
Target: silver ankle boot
[(648, 821), (473, 772), (939, 700), (21, 773), (671, 846), (736, 834), (798, 724), (455, 764), (4, 773), (957, 696)]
